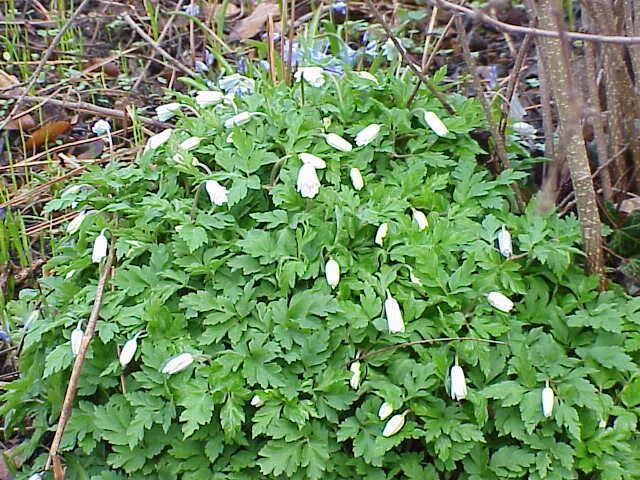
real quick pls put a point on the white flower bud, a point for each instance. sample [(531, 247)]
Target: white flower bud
[(206, 98), (156, 140), (100, 247), (394, 315), (366, 76), (308, 182), (76, 339), (356, 373), (167, 111), (382, 231), (337, 142), (504, 242), (499, 301), (314, 76), (101, 127), (458, 383), (435, 124), (128, 351), (239, 119), (74, 224), (385, 410), (178, 363), (217, 193), (256, 401), (332, 272), (394, 425), (356, 178), (190, 143), (420, 218), (313, 160), (547, 400), (367, 134)]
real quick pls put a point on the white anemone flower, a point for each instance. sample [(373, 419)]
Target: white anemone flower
[(500, 301), (156, 140), (178, 363), (314, 76), (76, 339), (167, 111), (367, 134), (100, 247), (356, 374), (547, 400), (394, 425), (504, 242), (101, 127), (420, 218), (435, 124), (313, 160), (206, 98), (190, 143), (356, 178), (385, 410), (458, 383), (308, 183), (217, 193), (257, 401), (395, 323), (332, 272), (382, 231), (337, 142)]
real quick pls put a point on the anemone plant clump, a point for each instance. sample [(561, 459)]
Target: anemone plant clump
[(301, 322)]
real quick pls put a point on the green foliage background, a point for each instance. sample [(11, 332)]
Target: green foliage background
[(243, 284)]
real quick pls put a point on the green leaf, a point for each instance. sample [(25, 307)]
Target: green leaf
[(193, 236), (198, 407)]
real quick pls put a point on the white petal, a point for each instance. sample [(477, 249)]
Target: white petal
[(381, 233), (420, 218), (367, 134), (178, 363), (313, 160), (436, 124), (256, 401), (458, 383), (308, 182), (394, 315), (394, 425), (217, 193), (158, 139), (332, 272), (74, 225), (356, 178), (500, 301), (337, 142)]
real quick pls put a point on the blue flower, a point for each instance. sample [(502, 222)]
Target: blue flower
[(339, 8)]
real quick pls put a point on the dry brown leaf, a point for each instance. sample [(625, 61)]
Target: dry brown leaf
[(110, 69), (26, 122), (47, 133), (254, 23), (6, 80)]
